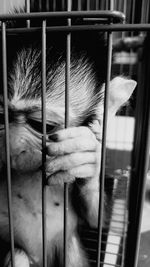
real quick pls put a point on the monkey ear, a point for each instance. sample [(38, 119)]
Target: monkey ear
[(120, 91)]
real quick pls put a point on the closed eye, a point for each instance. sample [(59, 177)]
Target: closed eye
[(37, 126)]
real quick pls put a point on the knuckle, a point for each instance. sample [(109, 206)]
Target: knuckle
[(72, 159), (85, 131), (90, 133), (75, 172), (94, 144)]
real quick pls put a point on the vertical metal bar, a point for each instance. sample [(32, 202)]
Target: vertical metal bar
[(67, 85), (103, 150), (145, 11), (111, 5), (65, 223), (67, 78), (132, 21), (106, 4), (63, 5), (133, 11), (79, 5), (44, 143), (103, 154), (140, 160), (8, 166), (123, 34), (88, 5), (116, 5), (27, 7), (40, 5), (102, 6), (120, 5), (97, 5), (47, 5), (127, 177), (54, 5)]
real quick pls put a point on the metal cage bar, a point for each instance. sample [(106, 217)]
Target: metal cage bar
[(47, 5), (139, 161), (9, 188), (88, 5), (103, 149), (79, 5), (74, 28), (44, 181), (54, 5), (114, 16), (40, 5), (27, 7), (103, 157), (67, 85)]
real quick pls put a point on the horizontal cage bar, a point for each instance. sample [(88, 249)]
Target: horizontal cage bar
[(102, 28), (114, 16)]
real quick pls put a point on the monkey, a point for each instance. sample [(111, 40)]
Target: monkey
[(73, 154)]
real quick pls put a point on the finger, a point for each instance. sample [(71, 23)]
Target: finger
[(96, 128), (71, 132), (64, 163), (60, 178), (73, 145), (84, 171)]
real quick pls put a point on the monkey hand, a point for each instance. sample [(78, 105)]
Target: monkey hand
[(75, 153)]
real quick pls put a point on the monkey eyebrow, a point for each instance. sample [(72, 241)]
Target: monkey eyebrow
[(10, 105), (52, 117)]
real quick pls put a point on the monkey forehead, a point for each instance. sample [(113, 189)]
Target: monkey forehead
[(32, 109), (25, 77), (26, 87)]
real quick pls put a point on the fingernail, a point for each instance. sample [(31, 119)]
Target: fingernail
[(53, 137)]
